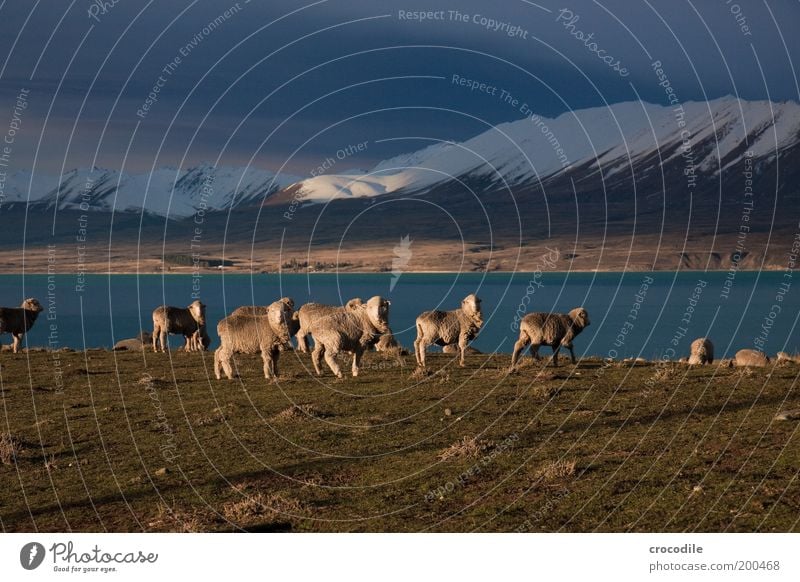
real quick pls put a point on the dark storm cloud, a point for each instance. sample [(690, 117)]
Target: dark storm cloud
[(290, 82)]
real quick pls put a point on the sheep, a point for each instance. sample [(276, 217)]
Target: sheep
[(18, 320), (310, 312), (189, 322), (134, 344), (294, 323), (444, 328), (251, 331), (556, 330), (786, 357), (701, 352), (750, 358), (354, 329)]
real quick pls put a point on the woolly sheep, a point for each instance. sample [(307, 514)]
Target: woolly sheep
[(353, 329), (250, 332), (189, 322), (310, 312), (556, 330), (18, 320), (294, 323), (134, 344), (751, 358), (701, 352), (445, 328)]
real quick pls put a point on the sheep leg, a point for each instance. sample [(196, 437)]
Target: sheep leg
[(164, 343), (226, 359), (302, 341), (571, 354), (217, 365), (17, 340), (330, 359), (555, 356), (276, 352), (156, 332), (357, 360), (462, 346), (267, 357), (519, 347), (419, 347), (316, 357)]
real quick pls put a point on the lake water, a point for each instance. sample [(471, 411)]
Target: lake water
[(632, 314)]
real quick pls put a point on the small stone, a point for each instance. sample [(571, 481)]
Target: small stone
[(447, 412)]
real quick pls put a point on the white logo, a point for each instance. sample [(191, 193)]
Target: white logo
[(402, 256)]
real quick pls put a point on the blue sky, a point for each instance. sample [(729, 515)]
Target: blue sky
[(290, 83)]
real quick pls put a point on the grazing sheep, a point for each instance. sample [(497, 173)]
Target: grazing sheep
[(701, 352), (310, 312), (556, 330), (189, 322), (750, 358), (355, 329), (18, 320), (252, 332), (134, 344), (445, 328)]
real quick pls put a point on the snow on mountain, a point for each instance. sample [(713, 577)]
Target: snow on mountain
[(164, 192), (611, 138)]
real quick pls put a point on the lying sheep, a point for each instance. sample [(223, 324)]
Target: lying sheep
[(750, 358), (252, 332), (18, 320), (556, 330), (355, 329), (134, 344), (445, 328), (701, 352), (189, 322), (310, 312)]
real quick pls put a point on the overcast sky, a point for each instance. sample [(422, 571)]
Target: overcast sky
[(291, 83)]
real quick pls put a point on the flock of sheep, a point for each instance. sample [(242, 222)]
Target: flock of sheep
[(352, 328)]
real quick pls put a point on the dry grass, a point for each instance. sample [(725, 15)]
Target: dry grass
[(467, 447), (664, 372), (297, 412), (260, 505), (554, 470), (10, 447), (176, 520)]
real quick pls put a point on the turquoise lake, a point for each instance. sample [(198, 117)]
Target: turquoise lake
[(633, 314)]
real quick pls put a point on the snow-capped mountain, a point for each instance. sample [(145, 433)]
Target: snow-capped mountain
[(164, 192), (709, 136)]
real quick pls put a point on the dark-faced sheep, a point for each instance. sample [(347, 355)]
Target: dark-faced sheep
[(310, 312), (701, 352), (188, 321), (556, 330), (18, 320), (354, 329), (445, 328), (250, 332)]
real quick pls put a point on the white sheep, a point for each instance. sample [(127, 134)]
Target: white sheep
[(189, 322), (445, 328), (354, 329), (750, 358), (310, 312), (294, 324), (556, 330), (249, 332), (18, 320), (701, 352)]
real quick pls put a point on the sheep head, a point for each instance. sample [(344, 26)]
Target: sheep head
[(377, 311), (32, 304), (580, 317), (471, 305), (288, 301), (198, 312), (279, 315)]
